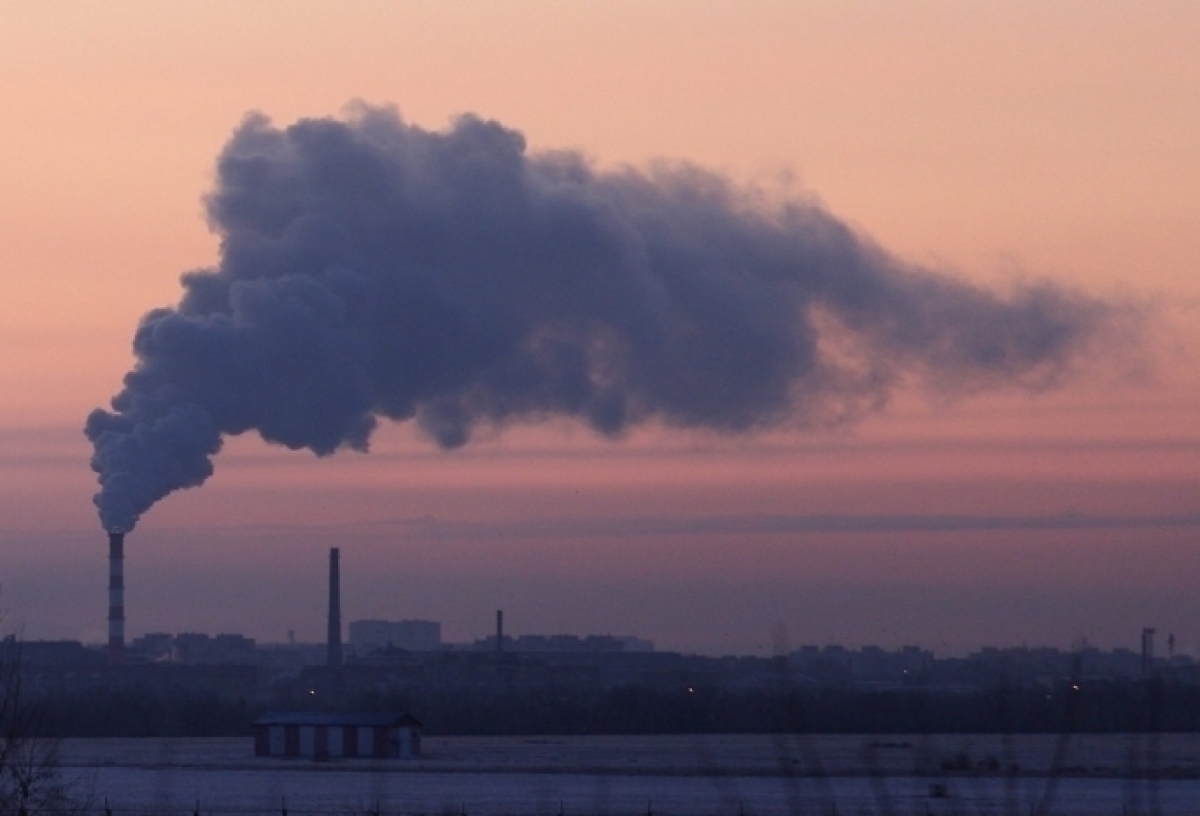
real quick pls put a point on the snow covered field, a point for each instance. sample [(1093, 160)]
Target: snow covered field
[(663, 775)]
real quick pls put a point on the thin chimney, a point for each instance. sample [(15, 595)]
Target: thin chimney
[(334, 658), (499, 631), (1147, 651), (116, 596)]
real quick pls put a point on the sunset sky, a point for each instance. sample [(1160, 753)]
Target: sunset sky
[(992, 143)]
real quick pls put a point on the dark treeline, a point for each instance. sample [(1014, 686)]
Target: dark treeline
[(1099, 707), (1141, 706), (141, 712)]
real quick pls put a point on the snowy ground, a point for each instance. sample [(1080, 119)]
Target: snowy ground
[(663, 775)]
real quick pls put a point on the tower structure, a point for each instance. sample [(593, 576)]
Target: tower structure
[(1147, 651), (334, 640), (116, 596)]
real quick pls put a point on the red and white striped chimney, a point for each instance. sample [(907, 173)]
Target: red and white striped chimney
[(116, 596)]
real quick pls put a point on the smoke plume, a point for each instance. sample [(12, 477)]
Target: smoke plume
[(373, 269)]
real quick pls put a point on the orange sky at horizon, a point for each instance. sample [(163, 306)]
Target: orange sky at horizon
[(995, 142)]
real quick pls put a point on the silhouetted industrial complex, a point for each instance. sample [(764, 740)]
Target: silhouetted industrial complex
[(530, 683)]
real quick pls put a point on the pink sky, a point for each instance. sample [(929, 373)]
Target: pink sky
[(993, 142)]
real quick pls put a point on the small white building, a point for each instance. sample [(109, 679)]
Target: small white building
[(317, 735)]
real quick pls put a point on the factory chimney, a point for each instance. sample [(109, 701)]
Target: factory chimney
[(116, 596), (499, 631), (334, 656), (1147, 651)]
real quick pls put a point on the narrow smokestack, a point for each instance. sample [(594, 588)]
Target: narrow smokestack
[(116, 596), (1148, 651), (335, 611), (499, 631)]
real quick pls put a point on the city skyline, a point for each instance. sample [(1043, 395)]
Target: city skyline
[(1041, 142)]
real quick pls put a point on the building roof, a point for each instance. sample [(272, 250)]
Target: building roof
[(347, 719)]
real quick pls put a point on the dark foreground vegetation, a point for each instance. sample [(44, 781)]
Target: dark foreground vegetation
[(520, 695), (514, 694), (831, 690), (161, 704)]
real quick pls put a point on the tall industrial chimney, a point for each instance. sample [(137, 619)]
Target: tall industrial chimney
[(499, 631), (334, 657), (116, 596)]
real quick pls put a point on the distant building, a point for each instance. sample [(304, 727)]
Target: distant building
[(193, 648), (313, 735), (41, 653), (155, 647), (567, 643), (367, 636), (629, 643)]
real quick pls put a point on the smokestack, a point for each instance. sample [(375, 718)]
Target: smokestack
[(116, 596), (499, 631), (334, 658), (1147, 651)]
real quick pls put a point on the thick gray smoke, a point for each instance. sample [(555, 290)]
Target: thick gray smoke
[(370, 268)]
